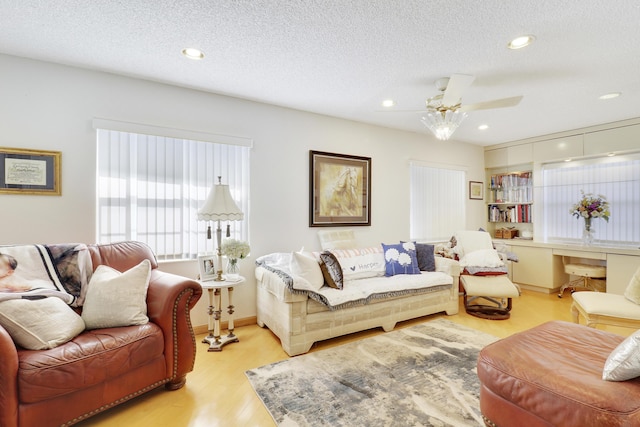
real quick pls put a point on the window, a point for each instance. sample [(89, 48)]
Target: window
[(617, 178), (437, 202), (151, 187)]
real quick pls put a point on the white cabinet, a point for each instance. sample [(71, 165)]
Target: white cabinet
[(537, 267), (620, 270), (519, 154), (495, 158), (619, 139), (558, 148)]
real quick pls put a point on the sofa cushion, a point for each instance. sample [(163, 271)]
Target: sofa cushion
[(624, 361), (40, 324), (400, 259), (91, 358), (117, 299), (632, 292), (426, 257), (361, 263), (331, 270), (307, 268)]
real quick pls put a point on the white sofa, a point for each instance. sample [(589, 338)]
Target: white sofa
[(299, 318)]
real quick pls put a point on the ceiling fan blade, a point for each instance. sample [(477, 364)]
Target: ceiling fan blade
[(496, 103), (458, 84)]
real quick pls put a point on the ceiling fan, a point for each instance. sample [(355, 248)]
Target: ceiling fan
[(444, 112)]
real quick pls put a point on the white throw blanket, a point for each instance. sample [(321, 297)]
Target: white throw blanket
[(35, 275), (357, 292)]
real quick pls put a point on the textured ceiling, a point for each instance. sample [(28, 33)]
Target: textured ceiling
[(343, 57)]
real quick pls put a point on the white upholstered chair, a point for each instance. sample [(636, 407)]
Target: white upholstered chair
[(475, 248), (609, 309)]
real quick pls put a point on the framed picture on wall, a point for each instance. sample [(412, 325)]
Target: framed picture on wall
[(207, 267), (24, 171), (476, 190), (339, 190)]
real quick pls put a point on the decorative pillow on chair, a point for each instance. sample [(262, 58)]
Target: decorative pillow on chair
[(400, 259), (632, 293), (117, 299), (306, 267), (624, 361), (331, 270), (40, 324), (482, 258)]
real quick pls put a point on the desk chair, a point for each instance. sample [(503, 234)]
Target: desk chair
[(609, 309), (586, 272), (495, 289)]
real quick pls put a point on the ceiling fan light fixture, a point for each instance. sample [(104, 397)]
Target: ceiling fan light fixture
[(192, 53), (443, 123), (521, 41)]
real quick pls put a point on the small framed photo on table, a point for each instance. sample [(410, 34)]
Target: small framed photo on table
[(207, 267)]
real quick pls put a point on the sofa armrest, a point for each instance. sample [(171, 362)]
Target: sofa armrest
[(9, 380), (448, 266), (275, 285), (170, 299)]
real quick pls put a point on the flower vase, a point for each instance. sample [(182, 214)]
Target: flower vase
[(587, 233), (233, 272)]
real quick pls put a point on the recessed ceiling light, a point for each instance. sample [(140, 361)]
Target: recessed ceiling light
[(483, 127), (388, 103), (567, 160), (520, 42), (192, 53), (611, 154), (610, 95)]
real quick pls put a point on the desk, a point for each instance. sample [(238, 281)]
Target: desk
[(214, 290), (540, 267)]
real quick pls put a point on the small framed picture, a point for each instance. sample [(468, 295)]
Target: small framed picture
[(476, 190), (207, 266)]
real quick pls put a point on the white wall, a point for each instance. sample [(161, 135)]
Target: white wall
[(51, 107)]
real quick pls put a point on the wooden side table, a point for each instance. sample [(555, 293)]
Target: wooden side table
[(214, 289)]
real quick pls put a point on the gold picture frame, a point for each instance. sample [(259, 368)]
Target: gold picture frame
[(476, 190), (339, 190), (24, 171)]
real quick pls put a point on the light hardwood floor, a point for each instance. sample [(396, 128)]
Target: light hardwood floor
[(217, 392)]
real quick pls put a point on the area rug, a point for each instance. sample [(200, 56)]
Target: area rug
[(424, 375)]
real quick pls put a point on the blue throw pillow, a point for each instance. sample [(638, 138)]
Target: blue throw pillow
[(400, 259)]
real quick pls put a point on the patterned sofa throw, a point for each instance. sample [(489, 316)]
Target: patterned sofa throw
[(39, 271)]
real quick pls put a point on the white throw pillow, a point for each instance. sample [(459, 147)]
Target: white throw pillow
[(624, 361), (361, 263), (40, 324), (482, 258), (117, 299), (307, 268), (632, 293)]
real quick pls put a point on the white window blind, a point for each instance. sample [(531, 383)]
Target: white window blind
[(437, 202), (151, 187), (617, 178)]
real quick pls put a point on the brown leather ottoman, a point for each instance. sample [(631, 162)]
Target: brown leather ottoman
[(551, 375)]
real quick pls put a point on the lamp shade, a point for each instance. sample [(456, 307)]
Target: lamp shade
[(220, 206)]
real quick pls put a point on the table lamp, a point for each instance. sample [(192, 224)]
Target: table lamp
[(219, 206)]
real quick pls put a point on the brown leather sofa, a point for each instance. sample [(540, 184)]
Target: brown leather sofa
[(102, 368), (551, 375)]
